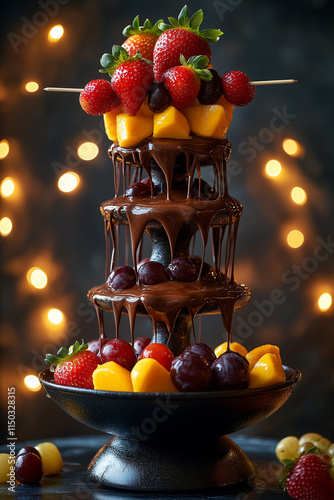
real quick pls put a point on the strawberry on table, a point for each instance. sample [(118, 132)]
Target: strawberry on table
[(98, 97), (131, 77), (141, 38), (182, 36), (236, 88), (74, 366)]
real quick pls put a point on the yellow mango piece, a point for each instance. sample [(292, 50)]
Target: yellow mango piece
[(207, 120), (110, 122), (144, 110), (111, 376), (170, 124), (228, 109), (148, 375), (267, 371), (257, 353), (234, 346), (133, 129)]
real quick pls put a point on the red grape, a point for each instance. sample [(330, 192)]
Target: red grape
[(203, 350), (122, 277), (139, 189), (29, 449), (28, 468), (211, 90), (140, 343), (158, 97), (121, 352), (94, 345), (151, 273), (160, 353), (182, 269), (230, 371), (190, 372)]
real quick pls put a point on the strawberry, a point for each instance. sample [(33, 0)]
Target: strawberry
[(236, 88), (98, 97), (184, 82), (74, 366), (131, 77), (182, 36), (308, 479), (141, 38)]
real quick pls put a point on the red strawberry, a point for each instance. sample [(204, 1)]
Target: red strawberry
[(74, 366), (98, 97), (141, 38), (131, 77), (309, 479), (236, 88), (183, 82), (182, 37)]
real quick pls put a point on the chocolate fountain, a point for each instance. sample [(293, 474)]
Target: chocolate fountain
[(177, 441)]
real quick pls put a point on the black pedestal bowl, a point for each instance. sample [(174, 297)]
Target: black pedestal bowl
[(170, 442)]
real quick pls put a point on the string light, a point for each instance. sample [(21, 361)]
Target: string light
[(273, 168), (56, 33), (4, 149), (291, 147), (7, 187), (55, 316), (88, 151), (37, 278), (68, 182), (6, 226), (32, 383), (295, 238), (32, 87), (325, 301), (298, 195)]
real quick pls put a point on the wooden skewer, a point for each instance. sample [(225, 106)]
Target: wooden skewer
[(262, 82)]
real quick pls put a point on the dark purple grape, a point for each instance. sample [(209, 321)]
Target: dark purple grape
[(29, 449), (146, 259), (182, 269), (28, 468), (121, 352), (230, 371), (94, 345), (208, 273), (190, 372), (140, 343), (158, 97), (139, 189), (151, 273), (212, 90), (122, 277), (203, 190), (203, 350)]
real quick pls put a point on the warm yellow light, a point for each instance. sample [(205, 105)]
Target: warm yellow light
[(273, 168), (291, 147), (7, 187), (325, 301), (32, 87), (88, 151), (56, 33), (32, 383), (68, 182), (37, 278), (6, 226), (4, 149), (55, 316), (295, 238), (298, 195)]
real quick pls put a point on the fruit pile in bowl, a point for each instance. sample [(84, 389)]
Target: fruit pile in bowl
[(152, 368), (163, 84)]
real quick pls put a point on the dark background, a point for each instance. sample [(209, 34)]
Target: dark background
[(63, 233)]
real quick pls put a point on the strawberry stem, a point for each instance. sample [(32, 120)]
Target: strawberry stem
[(117, 57), (148, 27), (198, 64)]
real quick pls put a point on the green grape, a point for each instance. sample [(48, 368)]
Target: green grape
[(322, 444), (287, 448), (306, 447), (309, 438), (51, 458), (331, 451)]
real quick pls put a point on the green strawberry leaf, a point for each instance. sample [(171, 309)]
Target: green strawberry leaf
[(64, 354), (148, 27), (211, 35), (196, 20), (184, 16), (197, 64)]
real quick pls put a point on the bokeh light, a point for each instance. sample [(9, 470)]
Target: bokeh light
[(298, 195), (291, 147), (6, 226), (7, 187), (37, 278), (88, 151), (56, 33), (273, 168), (32, 87), (32, 383), (55, 316), (4, 149), (68, 182), (295, 238), (325, 301)]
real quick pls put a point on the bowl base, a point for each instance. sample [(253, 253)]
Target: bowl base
[(139, 466)]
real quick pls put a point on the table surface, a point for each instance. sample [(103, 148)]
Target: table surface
[(78, 451)]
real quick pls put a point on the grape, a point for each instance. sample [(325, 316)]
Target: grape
[(139, 189), (190, 372), (28, 449), (51, 458), (151, 273), (94, 345), (323, 444), (331, 450), (160, 353), (28, 468), (208, 274), (140, 343), (309, 437), (203, 350), (287, 449), (230, 371), (121, 352), (5, 464), (211, 90), (306, 447), (182, 269), (122, 277), (147, 259), (158, 97)]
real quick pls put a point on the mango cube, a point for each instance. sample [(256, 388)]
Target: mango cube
[(267, 371), (144, 110), (234, 346), (110, 122), (257, 353), (133, 129), (111, 376), (228, 109), (207, 120), (171, 124), (148, 375)]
